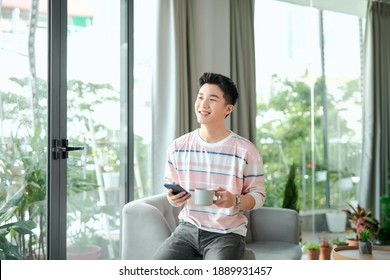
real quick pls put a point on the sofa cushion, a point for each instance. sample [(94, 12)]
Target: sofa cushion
[(275, 250)]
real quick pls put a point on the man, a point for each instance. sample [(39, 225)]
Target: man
[(213, 157)]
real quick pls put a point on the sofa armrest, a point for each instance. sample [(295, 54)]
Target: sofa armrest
[(144, 228)]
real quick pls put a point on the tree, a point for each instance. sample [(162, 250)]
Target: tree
[(290, 199)]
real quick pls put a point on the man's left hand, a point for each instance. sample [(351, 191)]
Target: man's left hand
[(225, 198)]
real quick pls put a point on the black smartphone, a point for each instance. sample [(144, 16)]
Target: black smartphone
[(175, 188)]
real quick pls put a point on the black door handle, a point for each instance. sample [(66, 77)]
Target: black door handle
[(76, 148), (60, 148)]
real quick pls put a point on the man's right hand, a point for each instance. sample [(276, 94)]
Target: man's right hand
[(178, 199)]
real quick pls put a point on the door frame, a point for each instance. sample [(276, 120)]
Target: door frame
[(57, 123), (57, 120)]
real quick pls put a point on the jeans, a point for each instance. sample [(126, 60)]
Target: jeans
[(188, 242)]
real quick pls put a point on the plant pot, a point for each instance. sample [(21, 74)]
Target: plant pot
[(321, 175), (345, 184), (365, 247), (111, 179), (336, 220), (90, 252), (313, 254), (353, 242), (325, 253)]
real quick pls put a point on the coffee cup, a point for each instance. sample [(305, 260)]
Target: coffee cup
[(204, 197)]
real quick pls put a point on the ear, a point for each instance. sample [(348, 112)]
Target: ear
[(229, 109)]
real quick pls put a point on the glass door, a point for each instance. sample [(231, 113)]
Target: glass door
[(23, 129), (88, 116), (309, 84), (95, 178)]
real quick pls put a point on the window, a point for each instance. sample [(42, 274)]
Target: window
[(94, 94), (23, 131), (308, 67), (144, 46)]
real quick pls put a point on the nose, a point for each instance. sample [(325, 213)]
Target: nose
[(204, 103)]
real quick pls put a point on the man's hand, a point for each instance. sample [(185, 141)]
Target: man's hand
[(178, 199), (225, 198)]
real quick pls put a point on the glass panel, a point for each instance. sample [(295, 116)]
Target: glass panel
[(144, 45), (23, 130), (309, 85), (94, 122)]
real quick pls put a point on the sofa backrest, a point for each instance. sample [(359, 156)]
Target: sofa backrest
[(274, 224)]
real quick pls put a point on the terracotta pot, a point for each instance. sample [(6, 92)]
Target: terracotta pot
[(353, 242), (325, 253), (313, 254), (91, 252)]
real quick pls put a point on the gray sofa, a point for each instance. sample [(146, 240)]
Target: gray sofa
[(273, 233)]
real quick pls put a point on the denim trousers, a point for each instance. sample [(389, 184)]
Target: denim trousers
[(188, 242)]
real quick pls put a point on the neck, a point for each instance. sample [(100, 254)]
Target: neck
[(212, 135)]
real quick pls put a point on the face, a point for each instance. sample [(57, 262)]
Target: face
[(211, 106)]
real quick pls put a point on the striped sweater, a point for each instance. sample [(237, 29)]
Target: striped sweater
[(233, 163)]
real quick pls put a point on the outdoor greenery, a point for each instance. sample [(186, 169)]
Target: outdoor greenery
[(383, 235), (23, 158), (23, 178), (285, 138)]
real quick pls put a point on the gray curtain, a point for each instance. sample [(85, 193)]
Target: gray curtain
[(376, 114), (174, 82), (243, 62), (194, 36)]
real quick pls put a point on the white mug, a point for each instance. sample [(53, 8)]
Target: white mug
[(204, 196)]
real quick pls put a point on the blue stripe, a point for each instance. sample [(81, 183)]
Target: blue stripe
[(215, 153), (207, 171), (215, 173), (255, 176)]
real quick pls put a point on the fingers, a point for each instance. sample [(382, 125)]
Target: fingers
[(178, 199), (225, 199)]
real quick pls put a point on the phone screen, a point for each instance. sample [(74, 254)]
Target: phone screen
[(175, 187)]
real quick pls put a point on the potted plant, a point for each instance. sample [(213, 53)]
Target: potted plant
[(336, 220), (360, 219), (82, 238), (365, 245), (23, 193), (325, 249), (312, 250), (9, 230), (337, 242), (82, 232), (343, 178)]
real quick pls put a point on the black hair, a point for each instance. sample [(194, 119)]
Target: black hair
[(230, 92)]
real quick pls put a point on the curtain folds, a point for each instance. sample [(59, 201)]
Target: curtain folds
[(174, 82), (194, 36), (376, 114), (243, 62)]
